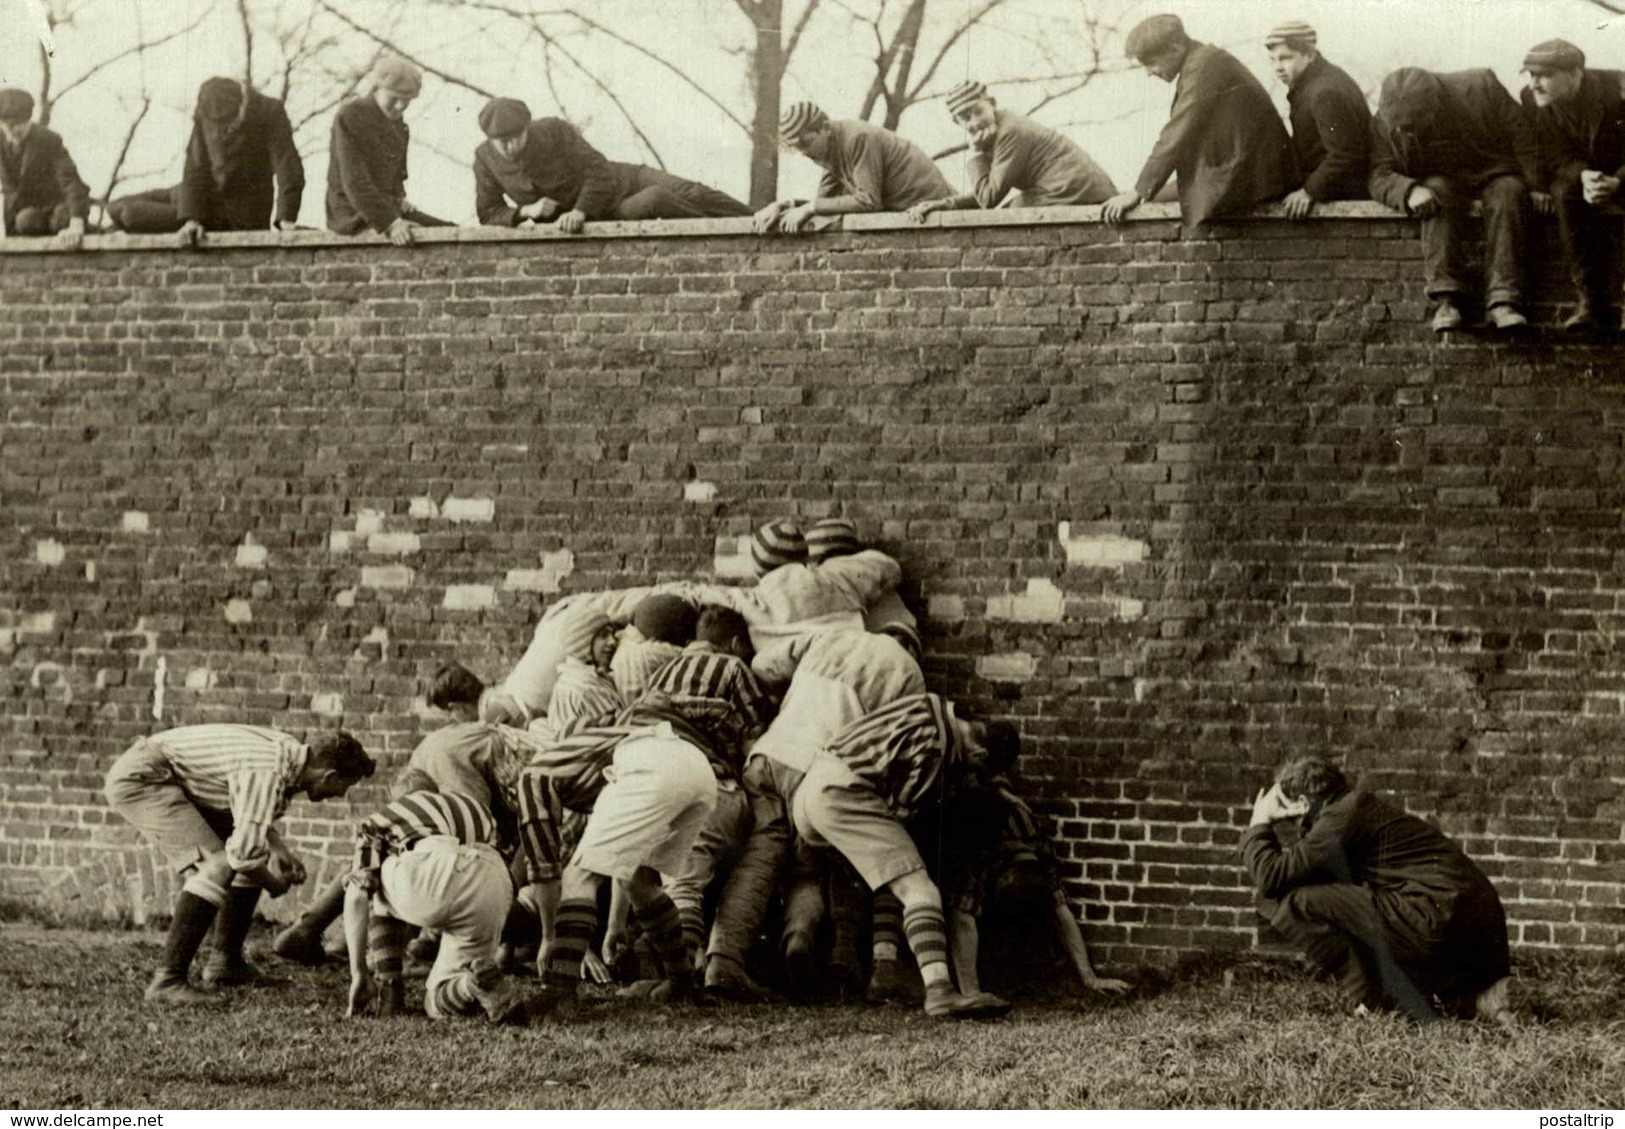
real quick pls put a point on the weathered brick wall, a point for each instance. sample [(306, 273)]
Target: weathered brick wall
[(1179, 508)]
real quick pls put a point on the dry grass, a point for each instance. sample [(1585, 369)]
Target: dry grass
[(1251, 1035)]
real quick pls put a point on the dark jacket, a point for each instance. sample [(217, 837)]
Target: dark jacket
[(1331, 132), (38, 173), (1462, 125), (236, 193), (1224, 140), (557, 162), (366, 170), (878, 170), (1586, 132)]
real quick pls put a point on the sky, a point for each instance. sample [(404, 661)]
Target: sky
[(1116, 117)]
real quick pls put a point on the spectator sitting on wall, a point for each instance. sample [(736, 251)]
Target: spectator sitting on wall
[(1012, 153), (40, 183), (866, 169), (241, 141), (541, 170), (1331, 124), (1394, 911), (1223, 138), (366, 172), (1440, 141), (1579, 117)]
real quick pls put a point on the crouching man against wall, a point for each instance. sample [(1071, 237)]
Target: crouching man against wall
[(1379, 899)]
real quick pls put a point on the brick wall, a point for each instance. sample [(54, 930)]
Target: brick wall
[(1178, 508)]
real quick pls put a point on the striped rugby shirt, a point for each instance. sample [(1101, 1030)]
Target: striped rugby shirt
[(722, 698), (395, 829), (567, 774), (247, 770), (900, 750)]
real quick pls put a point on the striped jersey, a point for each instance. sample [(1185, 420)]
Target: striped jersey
[(395, 829), (247, 770), (581, 692), (637, 660), (900, 750), (567, 773), (720, 696)]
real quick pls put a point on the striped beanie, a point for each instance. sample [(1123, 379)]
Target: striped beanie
[(1294, 32), (800, 118), (776, 544), (967, 94), (1554, 55), (832, 537)]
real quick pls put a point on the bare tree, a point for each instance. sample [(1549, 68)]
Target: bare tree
[(60, 14)]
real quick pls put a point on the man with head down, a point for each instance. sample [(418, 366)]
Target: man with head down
[(542, 170), (40, 183), (366, 174)]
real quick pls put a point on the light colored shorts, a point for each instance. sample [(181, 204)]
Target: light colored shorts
[(143, 789), (462, 890), (833, 808), (660, 791)]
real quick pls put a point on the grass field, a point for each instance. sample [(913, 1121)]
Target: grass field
[(74, 1033)]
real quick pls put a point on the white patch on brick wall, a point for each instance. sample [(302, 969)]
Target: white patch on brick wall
[(731, 560), (339, 541), (48, 674), (37, 623), (90, 571), (160, 683), (1104, 550), (239, 611), (379, 635), (1142, 689), (697, 491), (345, 598), (50, 552), (1127, 607), (8, 639), (133, 521), (468, 509), (328, 705), (251, 554), (1013, 666), (423, 507), (469, 597), (1043, 603), (369, 521), (393, 544), (200, 678), (548, 579), (945, 609), (386, 576)]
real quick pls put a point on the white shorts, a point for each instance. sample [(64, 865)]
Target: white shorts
[(660, 791), (464, 891)]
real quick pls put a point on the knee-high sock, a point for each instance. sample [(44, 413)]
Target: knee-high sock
[(193, 916), (573, 927), (927, 933), (386, 946), (325, 910), (888, 926), (236, 918), (663, 924)]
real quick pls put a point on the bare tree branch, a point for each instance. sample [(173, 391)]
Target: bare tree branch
[(382, 41), (247, 26), (965, 25), (615, 99), (141, 47), (124, 150), (801, 26)]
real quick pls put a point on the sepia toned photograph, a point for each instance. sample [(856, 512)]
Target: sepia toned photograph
[(812, 554)]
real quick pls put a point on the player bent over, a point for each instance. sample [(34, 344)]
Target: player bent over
[(429, 859), (207, 796)]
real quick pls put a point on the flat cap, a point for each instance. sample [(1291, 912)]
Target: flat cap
[(1554, 55), (503, 117)]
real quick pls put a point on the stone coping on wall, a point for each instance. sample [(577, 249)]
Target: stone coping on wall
[(700, 228)]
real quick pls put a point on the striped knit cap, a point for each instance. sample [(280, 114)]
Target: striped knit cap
[(800, 118), (832, 537), (776, 544), (1293, 31), (966, 94)]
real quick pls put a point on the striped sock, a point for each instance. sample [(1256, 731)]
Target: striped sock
[(927, 933), (888, 926), (576, 922), (386, 945), (664, 927), (693, 924)]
